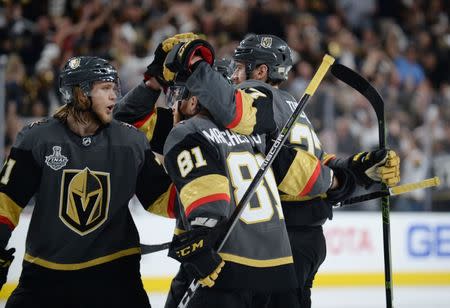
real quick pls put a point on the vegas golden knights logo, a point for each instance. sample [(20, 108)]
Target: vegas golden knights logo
[(84, 200), (266, 42)]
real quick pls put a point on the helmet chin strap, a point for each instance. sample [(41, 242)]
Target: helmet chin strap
[(249, 70)]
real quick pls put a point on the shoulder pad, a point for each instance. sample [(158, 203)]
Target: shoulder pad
[(38, 122), (179, 132), (127, 125)]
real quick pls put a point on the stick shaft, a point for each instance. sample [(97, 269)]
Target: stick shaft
[(357, 82), (401, 189), (394, 191)]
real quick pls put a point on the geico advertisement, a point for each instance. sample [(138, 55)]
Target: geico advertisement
[(419, 242)]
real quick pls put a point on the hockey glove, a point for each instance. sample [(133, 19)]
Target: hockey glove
[(178, 61), (194, 249), (156, 68), (374, 167), (6, 258)]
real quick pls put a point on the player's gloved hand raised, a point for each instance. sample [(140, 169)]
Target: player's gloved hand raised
[(6, 258), (180, 60), (156, 68), (194, 249), (377, 166)]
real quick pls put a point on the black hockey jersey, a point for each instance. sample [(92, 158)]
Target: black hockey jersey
[(257, 107), (82, 186), (212, 168)]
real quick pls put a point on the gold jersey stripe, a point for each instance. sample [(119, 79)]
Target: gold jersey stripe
[(244, 106), (9, 209), (327, 157), (147, 125), (202, 187), (163, 206), (78, 266), (300, 171), (255, 262), (289, 198)]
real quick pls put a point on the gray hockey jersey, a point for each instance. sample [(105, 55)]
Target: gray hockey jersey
[(256, 107), (212, 168)]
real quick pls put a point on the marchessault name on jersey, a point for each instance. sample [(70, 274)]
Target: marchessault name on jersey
[(230, 138)]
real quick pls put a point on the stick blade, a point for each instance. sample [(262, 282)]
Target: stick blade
[(361, 85)]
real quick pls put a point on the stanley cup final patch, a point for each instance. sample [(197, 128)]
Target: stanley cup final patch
[(56, 161)]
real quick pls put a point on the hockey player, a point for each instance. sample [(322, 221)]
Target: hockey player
[(304, 170), (212, 167), (137, 107), (82, 167)]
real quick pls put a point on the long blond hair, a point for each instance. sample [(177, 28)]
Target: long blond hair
[(76, 109)]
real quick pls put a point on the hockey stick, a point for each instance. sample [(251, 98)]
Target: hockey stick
[(361, 85), (393, 191), (146, 249), (270, 157)]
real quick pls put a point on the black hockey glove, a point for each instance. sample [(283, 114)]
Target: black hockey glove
[(375, 167), (178, 60), (156, 68), (346, 187), (6, 258), (194, 249)]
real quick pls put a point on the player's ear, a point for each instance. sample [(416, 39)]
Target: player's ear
[(193, 102), (261, 72)]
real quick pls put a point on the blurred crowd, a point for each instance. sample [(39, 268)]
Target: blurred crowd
[(401, 46)]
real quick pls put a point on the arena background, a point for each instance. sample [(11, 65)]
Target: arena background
[(401, 46)]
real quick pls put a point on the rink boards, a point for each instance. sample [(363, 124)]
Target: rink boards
[(420, 247)]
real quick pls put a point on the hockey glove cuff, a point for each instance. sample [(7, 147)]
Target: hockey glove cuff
[(346, 187), (194, 249), (6, 258), (179, 58), (156, 68)]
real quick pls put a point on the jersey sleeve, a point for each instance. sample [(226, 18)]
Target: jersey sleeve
[(154, 188), (246, 110), (19, 180), (301, 174), (138, 108), (136, 104), (200, 178)]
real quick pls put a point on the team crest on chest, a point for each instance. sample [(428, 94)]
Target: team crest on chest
[(266, 42), (56, 161), (84, 199)]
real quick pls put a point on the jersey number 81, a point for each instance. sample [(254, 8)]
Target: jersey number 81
[(242, 167)]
